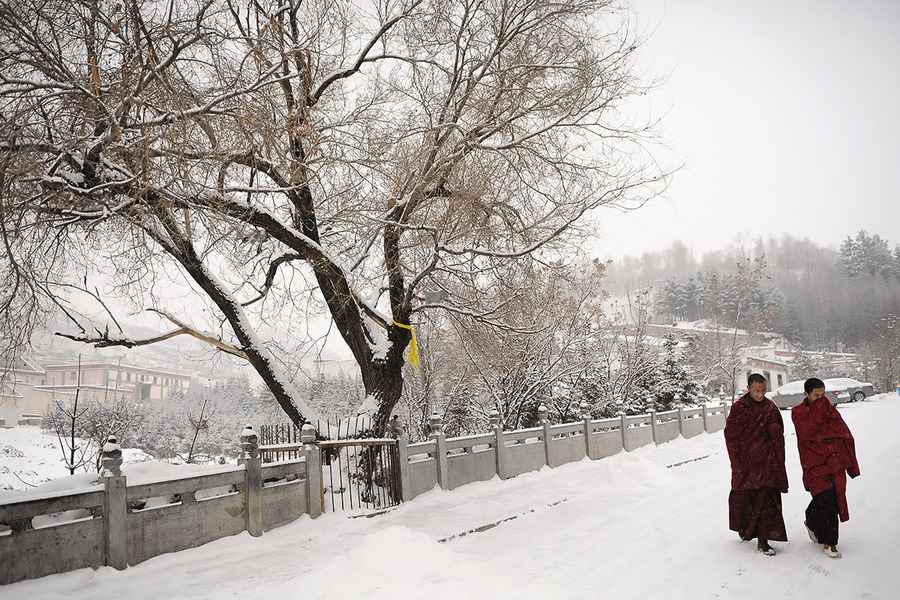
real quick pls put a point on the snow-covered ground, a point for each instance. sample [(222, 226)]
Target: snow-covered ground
[(648, 524), (30, 457)]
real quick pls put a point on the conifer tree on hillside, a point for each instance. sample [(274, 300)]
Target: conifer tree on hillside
[(804, 366), (676, 382)]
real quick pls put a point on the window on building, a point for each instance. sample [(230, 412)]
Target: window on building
[(768, 376), (780, 380), (155, 379)]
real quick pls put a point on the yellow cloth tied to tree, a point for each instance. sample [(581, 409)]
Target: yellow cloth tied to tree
[(413, 346)]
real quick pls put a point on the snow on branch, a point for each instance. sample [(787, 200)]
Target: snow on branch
[(103, 339)]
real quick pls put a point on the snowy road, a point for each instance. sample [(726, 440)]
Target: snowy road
[(620, 528)]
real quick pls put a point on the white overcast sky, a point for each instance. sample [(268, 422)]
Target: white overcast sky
[(785, 113)]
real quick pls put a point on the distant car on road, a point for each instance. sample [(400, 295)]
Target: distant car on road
[(839, 390)]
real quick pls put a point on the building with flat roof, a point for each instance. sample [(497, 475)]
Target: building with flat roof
[(22, 395), (30, 392), (118, 380)]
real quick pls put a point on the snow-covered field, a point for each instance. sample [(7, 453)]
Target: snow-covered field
[(649, 524), (30, 457)]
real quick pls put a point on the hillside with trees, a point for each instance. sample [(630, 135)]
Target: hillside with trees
[(817, 297)]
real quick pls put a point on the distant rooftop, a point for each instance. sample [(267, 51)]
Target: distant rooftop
[(111, 365)]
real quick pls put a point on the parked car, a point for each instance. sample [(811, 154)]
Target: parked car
[(839, 390), (857, 390)]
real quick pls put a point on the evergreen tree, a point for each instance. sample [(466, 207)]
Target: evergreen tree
[(805, 366), (590, 388), (668, 300), (640, 395), (676, 384), (849, 257), (691, 299), (867, 254)]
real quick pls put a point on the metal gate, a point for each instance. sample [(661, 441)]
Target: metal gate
[(360, 474)]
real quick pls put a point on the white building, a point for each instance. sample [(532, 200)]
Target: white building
[(775, 371)]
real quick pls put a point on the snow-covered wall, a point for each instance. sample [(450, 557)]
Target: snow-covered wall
[(452, 462), (126, 520)]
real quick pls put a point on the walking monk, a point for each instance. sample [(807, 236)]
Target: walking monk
[(828, 455), (754, 435)]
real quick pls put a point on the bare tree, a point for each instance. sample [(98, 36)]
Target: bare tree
[(627, 360), (199, 423), (277, 156), (551, 334), (75, 453)]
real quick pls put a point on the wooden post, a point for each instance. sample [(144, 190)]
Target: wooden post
[(313, 454), (253, 479), (440, 445), (115, 515), (403, 459), (653, 426), (586, 425), (499, 441)]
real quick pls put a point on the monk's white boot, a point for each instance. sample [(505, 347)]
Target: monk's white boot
[(831, 551), (812, 534)]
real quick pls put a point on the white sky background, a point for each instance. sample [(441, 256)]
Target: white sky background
[(785, 114)]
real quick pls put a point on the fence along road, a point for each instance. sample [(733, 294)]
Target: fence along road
[(119, 524)]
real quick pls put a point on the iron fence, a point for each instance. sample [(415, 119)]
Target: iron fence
[(358, 473), (362, 474)]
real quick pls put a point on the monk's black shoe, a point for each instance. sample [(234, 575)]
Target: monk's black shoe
[(765, 548)]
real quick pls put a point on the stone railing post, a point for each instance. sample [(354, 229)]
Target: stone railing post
[(499, 441), (314, 491), (114, 504), (253, 479), (440, 448), (545, 423), (727, 406), (703, 411), (586, 425), (652, 425), (403, 460), (623, 428), (681, 421)]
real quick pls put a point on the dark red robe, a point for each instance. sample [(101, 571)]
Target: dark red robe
[(754, 436), (827, 450)]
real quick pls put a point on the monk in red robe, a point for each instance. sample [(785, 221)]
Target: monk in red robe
[(754, 435), (828, 456)]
